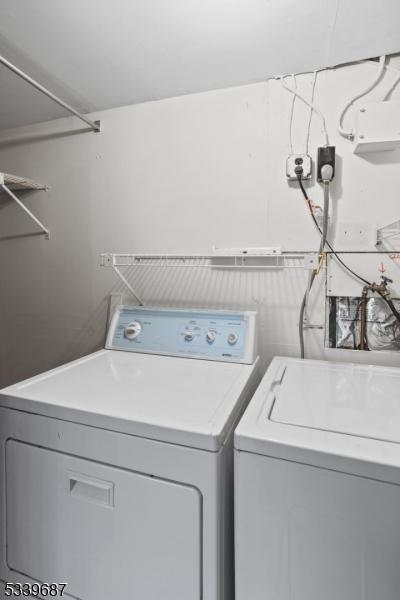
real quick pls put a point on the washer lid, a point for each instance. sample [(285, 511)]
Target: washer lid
[(351, 399), (177, 400), (338, 416)]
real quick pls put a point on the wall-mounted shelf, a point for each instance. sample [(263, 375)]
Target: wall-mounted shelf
[(16, 183), (11, 183), (283, 260)]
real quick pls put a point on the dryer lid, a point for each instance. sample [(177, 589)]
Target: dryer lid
[(362, 401)]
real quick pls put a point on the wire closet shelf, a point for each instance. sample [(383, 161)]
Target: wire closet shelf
[(230, 261)]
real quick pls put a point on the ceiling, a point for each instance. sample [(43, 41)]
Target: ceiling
[(99, 54)]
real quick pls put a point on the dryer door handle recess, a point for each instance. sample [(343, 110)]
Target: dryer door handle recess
[(91, 489)]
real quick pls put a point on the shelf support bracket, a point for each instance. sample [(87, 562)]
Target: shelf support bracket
[(26, 209), (94, 125), (127, 284)]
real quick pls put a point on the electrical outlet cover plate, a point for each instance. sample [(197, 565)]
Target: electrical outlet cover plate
[(298, 160)]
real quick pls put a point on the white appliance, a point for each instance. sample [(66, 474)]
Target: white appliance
[(317, 484), (116, 469)]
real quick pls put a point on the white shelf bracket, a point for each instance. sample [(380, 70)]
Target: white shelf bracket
[(127, 284), (24, 208)]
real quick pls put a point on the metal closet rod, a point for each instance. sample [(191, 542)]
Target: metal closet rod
[(95, 125)]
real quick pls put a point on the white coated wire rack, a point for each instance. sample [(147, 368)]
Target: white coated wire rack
[(16, 183), (284, 260)]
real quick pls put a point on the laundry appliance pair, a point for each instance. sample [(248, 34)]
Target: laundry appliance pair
[(116, 470)]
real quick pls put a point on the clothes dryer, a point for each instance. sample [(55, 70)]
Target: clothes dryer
[(116, 469)]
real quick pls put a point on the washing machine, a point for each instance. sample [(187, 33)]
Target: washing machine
[(317, 484), (116, 469)]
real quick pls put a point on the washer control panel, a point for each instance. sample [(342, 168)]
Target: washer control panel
[(213, 335)]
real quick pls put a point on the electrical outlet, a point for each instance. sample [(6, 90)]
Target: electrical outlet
[(326, 156), (296, 163)]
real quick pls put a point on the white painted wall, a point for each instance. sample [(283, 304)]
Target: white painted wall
[(177, 175)]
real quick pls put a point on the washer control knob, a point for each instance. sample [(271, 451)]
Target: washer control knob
[(133, 330), (232, 338), (189, 335), (210, 336)]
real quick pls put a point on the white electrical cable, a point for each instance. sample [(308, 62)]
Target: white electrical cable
[(313, 274), (291, 115), (388, 68), (311, 110), (392, 85), (308, 103), (391, 70), (349, 134)]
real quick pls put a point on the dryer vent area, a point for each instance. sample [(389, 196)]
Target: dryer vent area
[(357, 323)]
